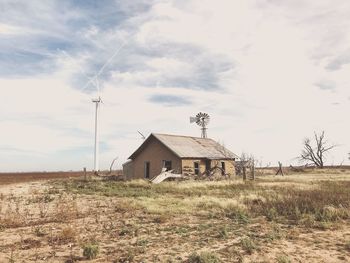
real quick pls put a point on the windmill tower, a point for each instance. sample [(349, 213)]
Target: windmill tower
[(202, 119)]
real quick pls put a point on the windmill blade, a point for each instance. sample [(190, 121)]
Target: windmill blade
[(193, 119), (202, 119)]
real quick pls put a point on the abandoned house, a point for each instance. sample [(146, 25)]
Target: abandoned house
[(182, 154)]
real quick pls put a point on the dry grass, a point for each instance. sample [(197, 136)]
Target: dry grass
[(225, 221)]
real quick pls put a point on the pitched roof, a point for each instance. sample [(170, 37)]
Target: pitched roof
[(189, 147)]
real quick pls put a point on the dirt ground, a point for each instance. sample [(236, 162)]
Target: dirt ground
[(9, 178), (50, 221)]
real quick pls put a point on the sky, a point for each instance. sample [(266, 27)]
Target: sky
[(268, 72)]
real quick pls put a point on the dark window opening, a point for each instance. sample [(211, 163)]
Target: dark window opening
[(147, 169), (196, 168), (223, 171), (167, 165), (207, 166)]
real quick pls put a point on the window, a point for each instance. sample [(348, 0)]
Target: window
[(167, 165), (196, 168), (223, 171)]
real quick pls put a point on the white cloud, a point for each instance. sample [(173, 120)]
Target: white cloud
[(265, 64), (9, 30)]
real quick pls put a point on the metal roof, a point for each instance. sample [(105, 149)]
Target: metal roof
[(190, 147)]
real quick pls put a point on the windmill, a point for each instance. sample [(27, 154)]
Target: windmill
[(95, 82), (202, 119)]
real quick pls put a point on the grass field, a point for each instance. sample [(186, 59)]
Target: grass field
[(295, 218)]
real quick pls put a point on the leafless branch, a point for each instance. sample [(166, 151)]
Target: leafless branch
[(315, 154)]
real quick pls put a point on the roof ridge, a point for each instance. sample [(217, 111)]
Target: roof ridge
[(188, 146), (186, 136)]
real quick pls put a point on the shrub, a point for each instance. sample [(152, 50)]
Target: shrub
[(283, 259), (161, 219), (39, 231), (90, 251), (275, 233), (142, 242), (125, 231), (237, 213), (204, 257), (347, 245), (248, 245), (223, 232), (271, 214), (68, 234)]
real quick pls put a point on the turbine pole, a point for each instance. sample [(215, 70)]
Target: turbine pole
[(96, 153)]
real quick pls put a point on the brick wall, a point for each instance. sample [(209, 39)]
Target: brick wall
[(188, 166)]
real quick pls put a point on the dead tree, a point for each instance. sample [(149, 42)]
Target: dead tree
[(315, 154), (245, 163)]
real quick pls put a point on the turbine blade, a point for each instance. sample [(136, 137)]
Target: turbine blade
[(71, 58), (111, 58), (89, 82)]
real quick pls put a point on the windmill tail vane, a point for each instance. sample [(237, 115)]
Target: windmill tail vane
[(193, 119)]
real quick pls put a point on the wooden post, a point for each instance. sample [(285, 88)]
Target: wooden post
[(244, 173), (280, 171), (85, 176), (252, 172)]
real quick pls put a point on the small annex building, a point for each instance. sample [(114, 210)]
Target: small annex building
[(182, 154)]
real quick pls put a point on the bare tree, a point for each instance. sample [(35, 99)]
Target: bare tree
[(246, 162), (315, 154)]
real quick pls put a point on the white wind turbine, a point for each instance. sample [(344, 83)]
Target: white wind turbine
[(95, 82)]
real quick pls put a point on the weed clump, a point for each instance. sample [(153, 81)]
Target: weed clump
[(248, 245), (223, 233), (237, 213), (90, 251), (283, 259), (347, 245), (68, 234), (203, 257)]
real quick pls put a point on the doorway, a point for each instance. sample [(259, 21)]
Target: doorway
[(147, 170), (207, 166)]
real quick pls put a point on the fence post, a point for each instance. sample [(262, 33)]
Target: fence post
[(85, 176)]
